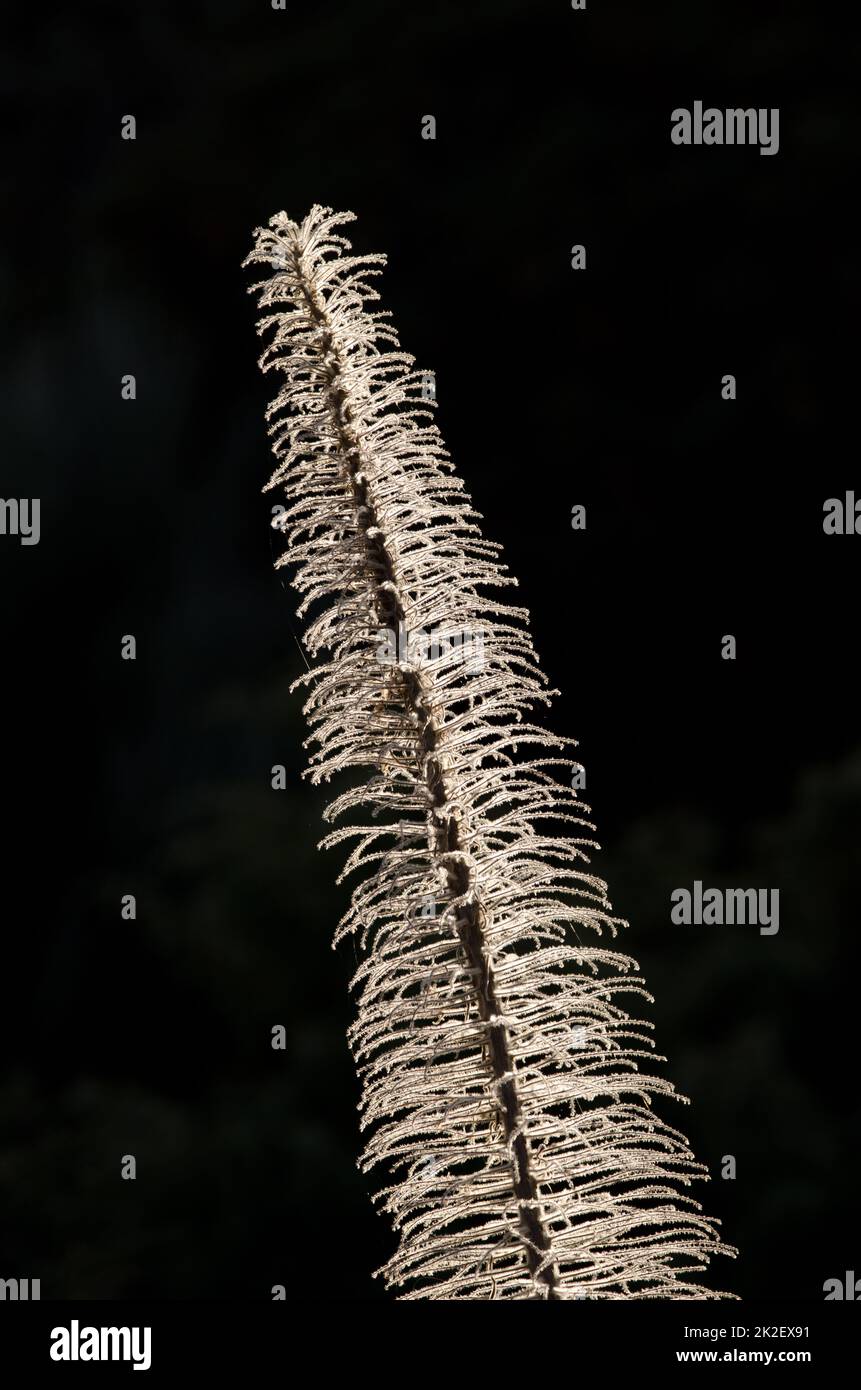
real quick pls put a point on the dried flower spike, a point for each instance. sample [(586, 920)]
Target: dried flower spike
[(502, 1090)]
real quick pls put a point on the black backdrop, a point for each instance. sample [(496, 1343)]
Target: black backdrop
[(555, 387)]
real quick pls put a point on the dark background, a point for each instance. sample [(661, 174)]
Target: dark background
[(555, 387)]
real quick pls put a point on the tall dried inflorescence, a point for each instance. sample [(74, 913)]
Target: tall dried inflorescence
[(501, 1085)]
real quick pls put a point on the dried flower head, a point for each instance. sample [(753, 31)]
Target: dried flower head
[(502, 1089)]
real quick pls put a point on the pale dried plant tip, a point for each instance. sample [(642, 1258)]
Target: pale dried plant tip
[(501, 1085)]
